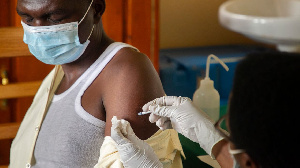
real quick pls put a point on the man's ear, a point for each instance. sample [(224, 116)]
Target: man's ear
[(245, 161), (99, 8)]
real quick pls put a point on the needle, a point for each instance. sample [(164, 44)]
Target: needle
[(143, 113)]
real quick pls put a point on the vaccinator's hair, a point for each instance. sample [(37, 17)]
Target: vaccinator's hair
[(264, 108)]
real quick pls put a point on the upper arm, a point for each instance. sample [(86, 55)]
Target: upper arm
[(133, 82)]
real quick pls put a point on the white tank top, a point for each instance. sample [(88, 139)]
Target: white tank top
[(70, 136)]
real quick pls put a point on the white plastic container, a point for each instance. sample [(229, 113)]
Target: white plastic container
[(206, 97)]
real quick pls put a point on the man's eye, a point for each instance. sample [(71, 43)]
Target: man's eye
[(56, 21), (27, 19)]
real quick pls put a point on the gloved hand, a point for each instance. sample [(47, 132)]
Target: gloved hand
[(180, 114), (134, 152)]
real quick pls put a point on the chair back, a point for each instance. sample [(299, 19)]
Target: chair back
[(12, 45)]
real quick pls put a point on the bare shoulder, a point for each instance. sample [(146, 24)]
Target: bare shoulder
[(131, 66), (128, 59), (131, 81)]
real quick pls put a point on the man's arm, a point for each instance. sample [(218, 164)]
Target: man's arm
[(133, 82)]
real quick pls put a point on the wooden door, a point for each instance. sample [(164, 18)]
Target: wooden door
[(130, 21), (134, 22)]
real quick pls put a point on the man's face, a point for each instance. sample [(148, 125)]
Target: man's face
[(53, 12)]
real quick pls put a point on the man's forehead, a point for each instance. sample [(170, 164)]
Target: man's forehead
[(48, 5)]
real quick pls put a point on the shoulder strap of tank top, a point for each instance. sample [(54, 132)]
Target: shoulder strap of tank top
[(102, 61)]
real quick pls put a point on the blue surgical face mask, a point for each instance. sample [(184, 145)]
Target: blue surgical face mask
[(56, 44), (234, 152), (235, 163)]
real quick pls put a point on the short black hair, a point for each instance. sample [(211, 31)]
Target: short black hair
[(264, 108)]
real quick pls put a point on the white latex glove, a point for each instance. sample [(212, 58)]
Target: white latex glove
[(134, 152), (180, 114)]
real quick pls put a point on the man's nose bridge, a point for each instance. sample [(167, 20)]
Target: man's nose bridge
[(40, 22)]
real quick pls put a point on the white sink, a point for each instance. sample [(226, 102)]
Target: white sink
[(270, 21)]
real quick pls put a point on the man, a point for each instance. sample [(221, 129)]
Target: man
[(95, 79), (260, 119)]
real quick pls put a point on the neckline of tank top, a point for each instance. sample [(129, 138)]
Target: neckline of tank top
[(107, 51)]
